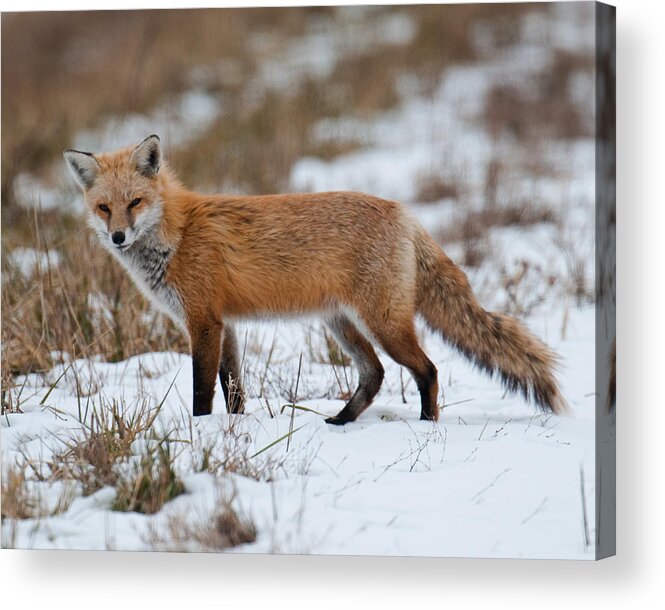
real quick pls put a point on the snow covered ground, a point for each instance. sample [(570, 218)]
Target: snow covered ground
[(493, 478)]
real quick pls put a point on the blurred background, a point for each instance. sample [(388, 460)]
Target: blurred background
[(480, 117)]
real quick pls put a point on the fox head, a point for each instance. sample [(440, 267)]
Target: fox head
[(121, 190)]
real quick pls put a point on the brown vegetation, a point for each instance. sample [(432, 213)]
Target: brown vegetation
[(433, 187), (109, 432), (68, 311), (544, 109), (472, 227), (219, 531)]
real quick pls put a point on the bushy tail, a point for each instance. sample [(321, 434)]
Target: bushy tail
[(496, 343)]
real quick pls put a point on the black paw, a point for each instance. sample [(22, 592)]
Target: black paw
[(336, 421)]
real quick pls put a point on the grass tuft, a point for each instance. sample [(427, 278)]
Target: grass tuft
[(150, 483), (433, 187), (23, 498), (223, 529), (109, 432)]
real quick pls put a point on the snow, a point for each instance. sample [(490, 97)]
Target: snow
[(494, 478), (178, 118), (32, 192), (316, 53), (29, 260)]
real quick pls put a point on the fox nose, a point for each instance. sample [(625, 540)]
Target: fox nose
[(118, 238)]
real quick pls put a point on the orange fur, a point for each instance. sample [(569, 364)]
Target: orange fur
[(360, 261)]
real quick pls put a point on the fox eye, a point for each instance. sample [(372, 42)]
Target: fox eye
[(104, 208), (134, 202)]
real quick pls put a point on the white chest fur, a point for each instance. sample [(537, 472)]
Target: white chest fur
[(147, 262)]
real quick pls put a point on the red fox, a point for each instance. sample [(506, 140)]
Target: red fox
[(361, 262)]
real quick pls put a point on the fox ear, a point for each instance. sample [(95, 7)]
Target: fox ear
[(148, 156), (83, 166)]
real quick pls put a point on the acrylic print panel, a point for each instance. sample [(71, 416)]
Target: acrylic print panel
[(491, 125)]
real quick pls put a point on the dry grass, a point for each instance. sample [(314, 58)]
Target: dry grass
[(578, 284), (257, 144), (229, 450), (445, 35), (433, 187), (69, 311), (143, 55), (119, 446), (472, 228), (21, 499), (150, 482), (9, 394), (526, 286), (543, 110), (364, 96), (324, 349), (18, 502), (109, 431), (105, 454), (218, 531)]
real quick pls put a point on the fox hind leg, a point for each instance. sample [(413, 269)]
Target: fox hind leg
[(401, 344), (229, 372), (370, 370)]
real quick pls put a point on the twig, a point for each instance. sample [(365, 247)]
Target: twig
[(483, 430), (539, 509), (55, 383), (295, 397), (457, 402), (401, 383), (301, 408), (279, 440), (265, 370), (484, 489)]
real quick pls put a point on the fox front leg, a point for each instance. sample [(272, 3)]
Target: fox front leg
[(229, 372), (206, 351)]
